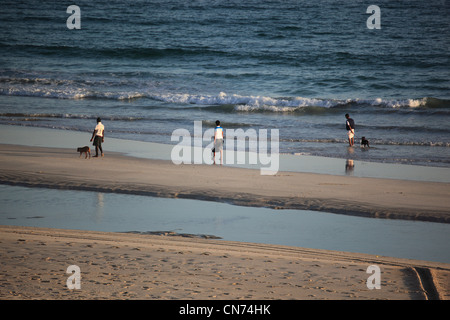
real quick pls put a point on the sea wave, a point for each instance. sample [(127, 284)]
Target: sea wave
[(245, 103), (120, 90), (70, 93), (37, 116), (27, 117), (293, 104)]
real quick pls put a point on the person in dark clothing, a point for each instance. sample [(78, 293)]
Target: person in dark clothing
[(350, 126)]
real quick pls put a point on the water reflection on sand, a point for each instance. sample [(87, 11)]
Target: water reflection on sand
[(124, 213)]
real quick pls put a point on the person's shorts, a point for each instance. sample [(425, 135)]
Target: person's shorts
[(97, 141), (218, 144), (351, 134)]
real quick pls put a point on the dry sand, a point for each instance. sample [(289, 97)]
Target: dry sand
[(34, 262), (129, 266)]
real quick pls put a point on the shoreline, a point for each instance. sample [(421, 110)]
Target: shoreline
[(117, 173), (130, 266), (56, 138)]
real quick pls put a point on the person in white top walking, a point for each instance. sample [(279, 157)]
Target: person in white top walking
[(99, 137), (218, 141)]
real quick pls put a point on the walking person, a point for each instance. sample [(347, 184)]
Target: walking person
[(218, 141), (350, 126), (99, 137)]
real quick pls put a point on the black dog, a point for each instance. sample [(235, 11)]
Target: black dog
[(365, 142), (85, 150)]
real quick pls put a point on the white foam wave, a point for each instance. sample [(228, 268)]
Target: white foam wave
[(246, 103), (291, 104), (412, 103), (84, 89), (68, 93)]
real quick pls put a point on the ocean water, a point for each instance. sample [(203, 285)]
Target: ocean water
[(150, 67)]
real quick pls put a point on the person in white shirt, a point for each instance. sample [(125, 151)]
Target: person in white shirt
[(218, 141), (99, 137)]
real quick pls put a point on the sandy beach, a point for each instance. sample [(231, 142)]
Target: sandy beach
[(139, 266), (369, 197), (34, 262)]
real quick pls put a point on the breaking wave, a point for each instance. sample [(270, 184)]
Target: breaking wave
[(120, 90)]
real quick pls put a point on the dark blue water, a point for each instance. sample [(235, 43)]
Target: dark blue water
[(150, 67)]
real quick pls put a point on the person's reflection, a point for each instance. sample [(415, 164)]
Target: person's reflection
[(100, 205), (349, 167)]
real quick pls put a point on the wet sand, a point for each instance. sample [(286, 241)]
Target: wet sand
[(369, 197), (34, 264)]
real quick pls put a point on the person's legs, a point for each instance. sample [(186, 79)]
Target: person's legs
[(221, 150), (351, 141), (218, 145), (98, 145)]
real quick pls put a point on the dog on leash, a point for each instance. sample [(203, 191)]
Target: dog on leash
[(85, 150), (365, 142)]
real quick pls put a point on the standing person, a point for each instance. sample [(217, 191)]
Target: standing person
[(99, 137), (350, 126), (218, 141)]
